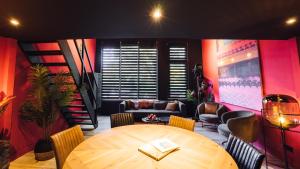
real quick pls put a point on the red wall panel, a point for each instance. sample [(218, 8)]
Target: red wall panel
[(7, 69)]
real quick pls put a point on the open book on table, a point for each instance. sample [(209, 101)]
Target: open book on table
[(158, 149)]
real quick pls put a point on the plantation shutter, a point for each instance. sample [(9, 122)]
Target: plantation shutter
[(178, 73), (129, 72), (110, 73), (147, 73)]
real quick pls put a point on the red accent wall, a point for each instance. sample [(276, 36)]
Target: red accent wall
[(7, 70), (280, 74)]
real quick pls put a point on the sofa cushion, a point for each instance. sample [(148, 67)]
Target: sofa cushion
[(211, 108), (130, 104), (172, 106), (210, 118), (145, 104), (151, 111), (160, 105), (224, 130)]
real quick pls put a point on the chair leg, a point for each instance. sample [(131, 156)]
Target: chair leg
[(223, 143)]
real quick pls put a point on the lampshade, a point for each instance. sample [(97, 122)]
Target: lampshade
[(281, 110)]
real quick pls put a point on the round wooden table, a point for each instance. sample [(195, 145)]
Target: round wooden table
[(118, 148)]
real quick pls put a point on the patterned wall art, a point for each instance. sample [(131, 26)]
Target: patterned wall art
[(239, 73)]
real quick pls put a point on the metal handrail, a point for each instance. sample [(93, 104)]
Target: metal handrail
[(84, 72), (89, 61)]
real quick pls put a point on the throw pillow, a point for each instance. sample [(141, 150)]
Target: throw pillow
[(130, 104), (171, 106), (136, 105), (211, 108), (160, 105), (145, 104)]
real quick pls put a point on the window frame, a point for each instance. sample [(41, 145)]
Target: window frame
[(141, 94)]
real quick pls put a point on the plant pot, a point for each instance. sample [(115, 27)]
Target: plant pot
[(4, 154), (43, 150)]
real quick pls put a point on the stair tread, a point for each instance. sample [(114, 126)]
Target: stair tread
[(44, 53), (75, 105), (85, 123), (87, 129), (33, 41), (81, 117), (64, 74), (79, 98), (52, 64), (77, 111), (65, 83)]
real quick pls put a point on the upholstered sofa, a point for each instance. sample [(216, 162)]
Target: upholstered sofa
[(158, 108)]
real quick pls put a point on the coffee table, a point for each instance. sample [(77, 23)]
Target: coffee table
[(163, 119)]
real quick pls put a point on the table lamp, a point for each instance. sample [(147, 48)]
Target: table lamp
[(282, 111)]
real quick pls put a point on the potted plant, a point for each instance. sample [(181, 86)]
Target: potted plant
[(4, 149), (46, 97), (191, 102), (4, 133), (4, 102)]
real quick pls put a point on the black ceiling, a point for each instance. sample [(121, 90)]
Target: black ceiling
[(196, 19)]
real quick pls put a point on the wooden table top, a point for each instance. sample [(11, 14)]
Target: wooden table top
[(118, 148)]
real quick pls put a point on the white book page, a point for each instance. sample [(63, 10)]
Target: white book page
[(164, 145)]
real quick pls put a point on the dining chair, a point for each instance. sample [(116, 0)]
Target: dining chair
[(245, 155), (64, 142), (121, 119), (182, 122)]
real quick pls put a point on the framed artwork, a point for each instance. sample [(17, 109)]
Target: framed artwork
[(239, 73)]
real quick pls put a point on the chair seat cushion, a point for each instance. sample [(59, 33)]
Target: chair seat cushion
[(210, 118), (224, 130)]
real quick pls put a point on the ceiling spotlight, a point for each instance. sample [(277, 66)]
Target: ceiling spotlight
[(156, 13), (291, 21), (14, 22)]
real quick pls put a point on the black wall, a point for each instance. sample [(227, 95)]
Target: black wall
[(194, 52)]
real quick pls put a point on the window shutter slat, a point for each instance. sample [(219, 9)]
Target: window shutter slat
[(178, 73)]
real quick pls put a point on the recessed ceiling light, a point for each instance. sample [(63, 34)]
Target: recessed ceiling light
[(14, 22), (156, 13), (291, 21)]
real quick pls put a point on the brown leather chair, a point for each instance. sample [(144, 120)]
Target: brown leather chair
[(242, 124), (64, 142), (121, 119), (181, 122), (210, 112)]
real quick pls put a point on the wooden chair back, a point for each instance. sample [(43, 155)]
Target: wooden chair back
[(64, 142), (121, 119), (182, 122)]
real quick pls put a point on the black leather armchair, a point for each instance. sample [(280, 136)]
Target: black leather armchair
[(242, 124), (245, 155), (210, 112)]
